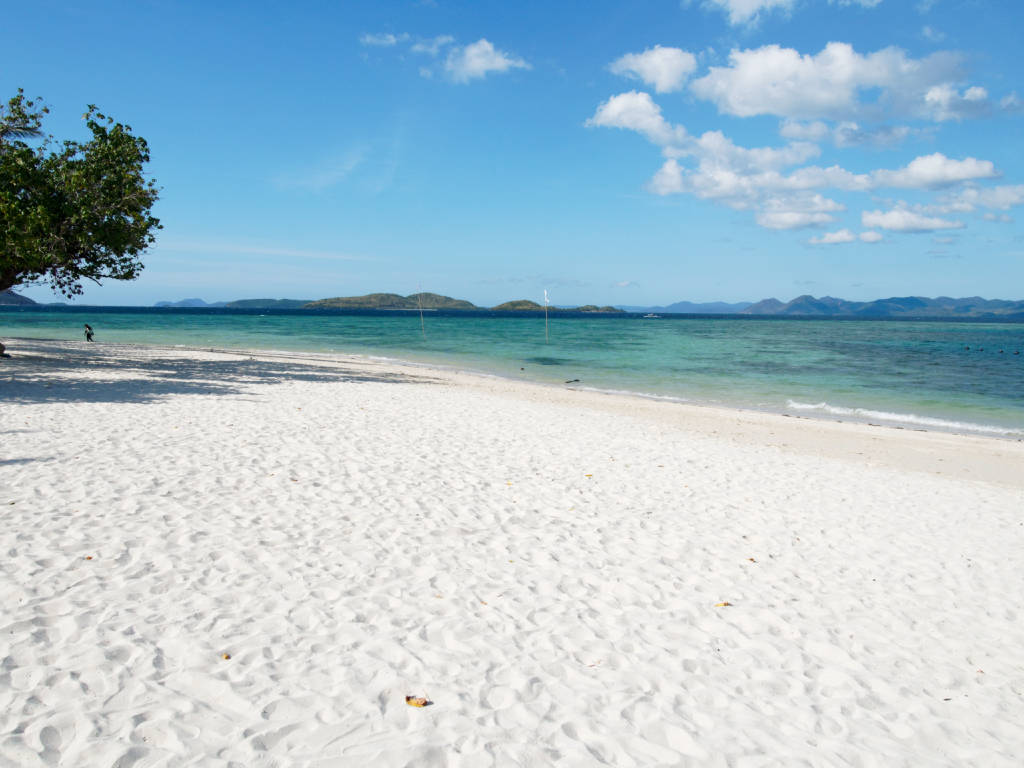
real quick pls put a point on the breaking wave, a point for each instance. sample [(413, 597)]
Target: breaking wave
[(946, 425)]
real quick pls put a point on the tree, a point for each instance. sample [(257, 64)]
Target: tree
[(73, 211)]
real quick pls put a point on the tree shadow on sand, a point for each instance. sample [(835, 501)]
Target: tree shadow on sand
[(63, 372)]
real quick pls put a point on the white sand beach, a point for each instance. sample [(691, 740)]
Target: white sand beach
[(225, 559)]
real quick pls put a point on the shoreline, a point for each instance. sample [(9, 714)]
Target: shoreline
[(811, 412), (232, 559), (989, 458)]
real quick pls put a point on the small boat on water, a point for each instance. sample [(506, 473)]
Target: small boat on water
[(651, 316)]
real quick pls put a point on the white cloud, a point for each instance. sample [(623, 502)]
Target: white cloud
[(668, 180), (749, 11), (772, 80), (1011, 103), (792, 219), (385, 40), (935, 170), (666, 69), (870, 237), (947, 103), (636, 111), (478, 59), (713, 167), (1000, 217), (794, 129), (716, 146), (1001, 198), (432, 46), (971, 198), (796, 212), (849, 134), (929, 33), (834, 238), (746, 11), (845, 134), (904, 220)]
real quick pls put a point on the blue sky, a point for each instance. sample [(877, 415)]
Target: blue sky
[(638, 152)]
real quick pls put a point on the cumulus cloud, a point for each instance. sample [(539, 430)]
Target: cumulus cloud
[(773, 80), (784, 193), (904, 220), (945, 102), (849, 134), (668, 180), (792, 219), (747, 11), (814, 131), (383, 40), (1000, 217), (636, 111), (477, 60), (666, 69), (797, 212), (834, 238), (714, 145), (969, 199), (845, 134), (935, 170), (845, 236)]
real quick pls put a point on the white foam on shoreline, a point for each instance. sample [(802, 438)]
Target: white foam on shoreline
[(906, 418)]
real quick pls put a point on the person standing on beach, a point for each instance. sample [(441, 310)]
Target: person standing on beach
[(88, 332)]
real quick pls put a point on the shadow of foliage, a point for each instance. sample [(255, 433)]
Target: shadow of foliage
[(62, 372)]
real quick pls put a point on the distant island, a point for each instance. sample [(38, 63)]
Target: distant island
[(11, 299), (437, 301), (802, 306), (694, 308), (391, 301), (525, 305), (906, 306), (240, 304)]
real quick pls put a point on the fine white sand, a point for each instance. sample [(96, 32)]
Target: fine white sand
[(543, 564)]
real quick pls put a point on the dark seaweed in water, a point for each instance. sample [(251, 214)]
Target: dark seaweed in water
[(548, 360)]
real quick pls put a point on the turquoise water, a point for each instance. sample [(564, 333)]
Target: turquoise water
[(914, 374)]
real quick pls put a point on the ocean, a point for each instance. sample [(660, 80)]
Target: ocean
[(961, 376)]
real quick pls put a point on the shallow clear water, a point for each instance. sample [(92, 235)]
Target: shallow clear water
[(918, 374)]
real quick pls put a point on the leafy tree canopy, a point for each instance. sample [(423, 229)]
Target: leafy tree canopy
[(71, 211)]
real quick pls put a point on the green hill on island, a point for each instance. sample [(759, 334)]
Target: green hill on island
[(391, 301), (525, 305), (267, 304), (12, 299), (896, 306)]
